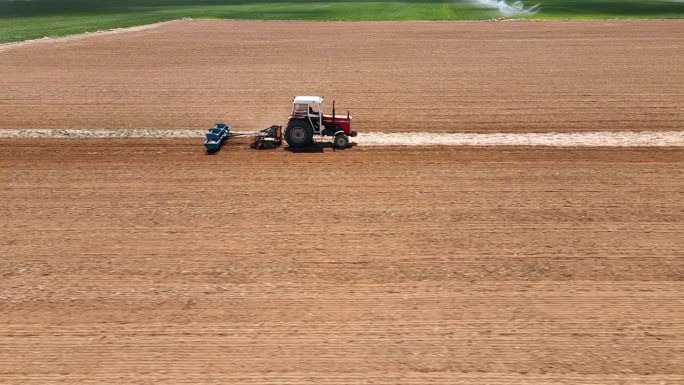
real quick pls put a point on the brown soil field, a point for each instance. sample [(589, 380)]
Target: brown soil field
[(392, 76), (144, 261)]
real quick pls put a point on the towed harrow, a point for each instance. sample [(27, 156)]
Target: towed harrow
[(217, 136)]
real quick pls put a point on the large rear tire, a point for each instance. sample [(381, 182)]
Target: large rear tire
[(298, 133)]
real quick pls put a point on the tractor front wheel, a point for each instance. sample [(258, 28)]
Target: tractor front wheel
[(341, 141), (298, 134)]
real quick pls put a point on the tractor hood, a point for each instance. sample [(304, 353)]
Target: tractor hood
[(337, 117)]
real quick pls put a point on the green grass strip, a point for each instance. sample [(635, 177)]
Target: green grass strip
[(30, 19)]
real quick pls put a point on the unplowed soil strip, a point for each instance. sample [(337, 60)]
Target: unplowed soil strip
[(553, 139), (100, 133)]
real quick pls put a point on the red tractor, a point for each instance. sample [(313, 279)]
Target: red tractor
[(307, 120)]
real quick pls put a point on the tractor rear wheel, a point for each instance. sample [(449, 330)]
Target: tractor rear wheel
[(341, 141), (298, 133)]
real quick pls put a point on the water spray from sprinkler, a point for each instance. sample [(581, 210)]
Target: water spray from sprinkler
[(514, 9)]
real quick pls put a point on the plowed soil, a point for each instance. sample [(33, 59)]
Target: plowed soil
[(144, 261), (408, 76)]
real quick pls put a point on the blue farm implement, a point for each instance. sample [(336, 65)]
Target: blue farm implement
[(217, 136)]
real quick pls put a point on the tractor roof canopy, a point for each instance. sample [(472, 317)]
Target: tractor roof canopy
[(308, 100)]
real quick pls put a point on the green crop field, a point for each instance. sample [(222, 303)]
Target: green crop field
[(29, 19)]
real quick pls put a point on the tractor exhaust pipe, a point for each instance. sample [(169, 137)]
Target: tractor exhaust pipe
[(333, 112)]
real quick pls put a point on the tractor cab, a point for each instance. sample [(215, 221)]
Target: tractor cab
[(307, 119), (308, 108)]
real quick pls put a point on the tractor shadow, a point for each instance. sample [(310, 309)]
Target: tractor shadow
[(318, 147)]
